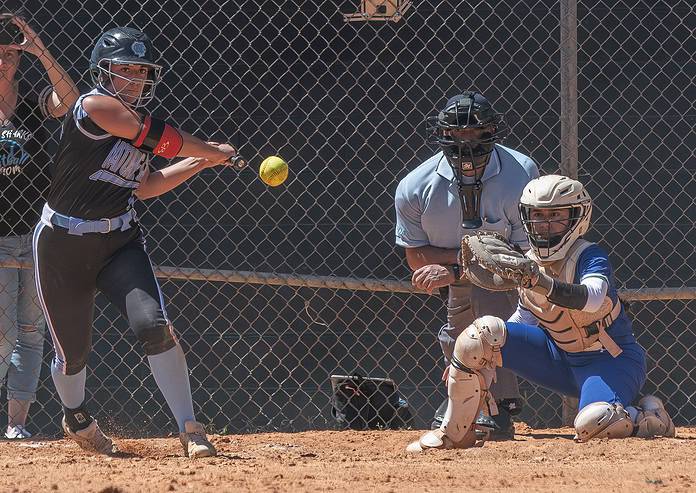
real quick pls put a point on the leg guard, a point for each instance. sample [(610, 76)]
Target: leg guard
[(602, 420), (651, 419), (476, 354), (467, 391)]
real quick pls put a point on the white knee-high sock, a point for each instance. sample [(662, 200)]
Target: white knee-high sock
[(71, 388), (171, 374)]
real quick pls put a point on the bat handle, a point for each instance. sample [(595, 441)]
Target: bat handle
[(238, 162)]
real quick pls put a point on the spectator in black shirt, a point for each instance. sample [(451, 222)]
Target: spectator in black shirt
[(24, 182)]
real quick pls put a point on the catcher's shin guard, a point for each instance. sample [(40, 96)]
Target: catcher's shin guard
[(476, 354), (602, 420), (466, 392)]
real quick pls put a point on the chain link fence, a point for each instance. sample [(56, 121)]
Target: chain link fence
[(271, 290)]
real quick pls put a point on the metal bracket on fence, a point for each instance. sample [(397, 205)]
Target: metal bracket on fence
[(379, 10)]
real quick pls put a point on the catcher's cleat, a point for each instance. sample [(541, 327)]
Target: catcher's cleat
[(195, 441), (436, 439), (91, 439)]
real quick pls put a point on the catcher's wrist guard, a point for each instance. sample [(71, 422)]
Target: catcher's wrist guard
[(540, 282), (573, 296)]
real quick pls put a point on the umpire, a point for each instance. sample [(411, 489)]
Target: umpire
[(473, 184)]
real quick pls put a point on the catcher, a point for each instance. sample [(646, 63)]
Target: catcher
[(570, 332)]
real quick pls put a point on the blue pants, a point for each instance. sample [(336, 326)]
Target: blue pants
[(593, 376), (22, 324)]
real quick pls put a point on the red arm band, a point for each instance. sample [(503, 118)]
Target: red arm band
[(159, 138), (170, 144)]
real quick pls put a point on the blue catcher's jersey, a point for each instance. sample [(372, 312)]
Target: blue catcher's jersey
[(594, 262)]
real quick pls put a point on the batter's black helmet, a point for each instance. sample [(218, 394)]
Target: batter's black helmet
[(124, 45)]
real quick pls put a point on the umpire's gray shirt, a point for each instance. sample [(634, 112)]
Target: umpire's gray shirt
[(428, 209)]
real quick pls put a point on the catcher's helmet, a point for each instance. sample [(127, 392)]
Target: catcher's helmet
[(470, 110), (554, 192), (124, 46)]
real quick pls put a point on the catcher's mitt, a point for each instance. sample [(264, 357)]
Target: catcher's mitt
[(490, 262)]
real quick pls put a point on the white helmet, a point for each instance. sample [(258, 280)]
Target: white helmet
[(554, 192)]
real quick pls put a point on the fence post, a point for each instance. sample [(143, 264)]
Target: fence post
[(569, 126), (569, 88)]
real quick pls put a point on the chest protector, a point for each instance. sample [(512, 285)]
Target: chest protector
[(573, 330)]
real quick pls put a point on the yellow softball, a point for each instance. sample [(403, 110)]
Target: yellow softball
[(273, 171)]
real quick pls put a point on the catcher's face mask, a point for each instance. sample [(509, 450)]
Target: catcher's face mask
[(555, 211), (466, 131), (549, 229)]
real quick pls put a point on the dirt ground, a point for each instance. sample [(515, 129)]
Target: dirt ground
[(537, 460)]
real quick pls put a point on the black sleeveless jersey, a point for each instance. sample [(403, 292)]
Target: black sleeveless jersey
[(95, 174)]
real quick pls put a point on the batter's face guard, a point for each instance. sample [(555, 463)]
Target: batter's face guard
[(133, 84), (122, 64), (555, 212), (466, 131)]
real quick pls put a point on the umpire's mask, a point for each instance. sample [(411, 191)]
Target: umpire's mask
[(466, 130)]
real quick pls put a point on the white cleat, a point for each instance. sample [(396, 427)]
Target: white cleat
[(195, 441), (18, 432), (436, 439), (91, 439)]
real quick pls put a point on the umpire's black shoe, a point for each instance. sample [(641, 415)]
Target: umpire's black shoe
[(505, 427), (484, 422), (439, 415), (513, 406)]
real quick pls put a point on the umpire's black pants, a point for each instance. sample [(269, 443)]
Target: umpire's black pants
[(70, 269)]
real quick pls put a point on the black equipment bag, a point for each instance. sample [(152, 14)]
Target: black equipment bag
[(365, 403)]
